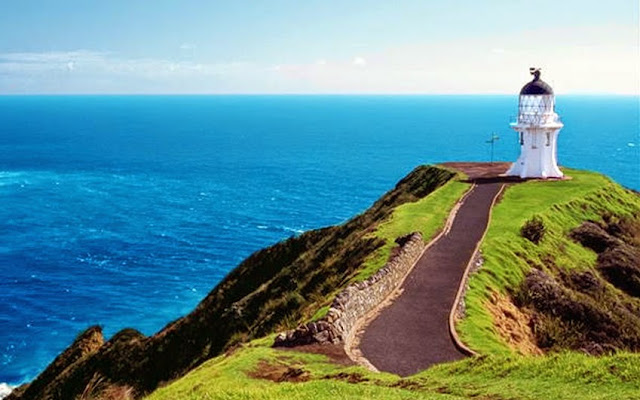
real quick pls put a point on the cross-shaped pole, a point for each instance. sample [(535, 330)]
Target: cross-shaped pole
[(493, 139)]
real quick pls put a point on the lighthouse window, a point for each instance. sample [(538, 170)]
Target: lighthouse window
[(521, 138), (548, 138)]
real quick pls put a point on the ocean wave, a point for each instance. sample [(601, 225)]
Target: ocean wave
[(280, 228), (94, 261), (10, 174), (5, 390), (293, 230), (12, 178)]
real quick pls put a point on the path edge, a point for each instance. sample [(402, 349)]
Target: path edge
[(463, 285), (352, 341)]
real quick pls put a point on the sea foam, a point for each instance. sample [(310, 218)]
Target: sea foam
[(5, 390)]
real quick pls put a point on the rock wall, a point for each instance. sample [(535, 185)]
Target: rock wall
[(356, 300)]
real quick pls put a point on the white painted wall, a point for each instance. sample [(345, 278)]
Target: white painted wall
[(538, 157), (538, 125)]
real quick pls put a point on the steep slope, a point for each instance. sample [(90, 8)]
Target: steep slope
[(558, 271), (274, 288), (558, 256), (539, 289)]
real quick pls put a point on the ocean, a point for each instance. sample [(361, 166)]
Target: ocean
[(125, 211)]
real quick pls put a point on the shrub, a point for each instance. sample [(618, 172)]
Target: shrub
[(533, 230)]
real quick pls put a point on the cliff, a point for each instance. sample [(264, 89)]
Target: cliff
[(551, 305), (558, 270), (274, 288)]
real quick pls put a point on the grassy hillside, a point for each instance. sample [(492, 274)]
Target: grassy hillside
[(559, 284), (259, 372), (426, 216), (256, 371), (274, 289), (509, 259)]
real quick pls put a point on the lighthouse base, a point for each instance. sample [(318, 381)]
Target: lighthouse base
[(525, 167), (537, 153)]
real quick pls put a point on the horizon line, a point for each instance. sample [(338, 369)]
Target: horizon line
[(311, 94)]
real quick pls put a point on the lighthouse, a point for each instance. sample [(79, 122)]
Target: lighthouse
[(537, 126)]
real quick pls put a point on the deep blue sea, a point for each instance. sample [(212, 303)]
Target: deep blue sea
[(125, 211)]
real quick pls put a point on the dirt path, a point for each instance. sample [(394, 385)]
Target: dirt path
[(413, 332)]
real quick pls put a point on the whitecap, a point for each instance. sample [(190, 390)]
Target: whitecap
[(294, 230), (9, 174), (5, 390), (631, 144), (12, 178)]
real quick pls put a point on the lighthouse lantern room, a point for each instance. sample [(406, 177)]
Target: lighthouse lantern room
[(537, 126)]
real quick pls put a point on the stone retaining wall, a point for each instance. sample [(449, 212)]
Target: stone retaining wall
[(357, 299)]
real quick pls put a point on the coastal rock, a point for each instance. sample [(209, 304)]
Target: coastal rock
[(88, 342)]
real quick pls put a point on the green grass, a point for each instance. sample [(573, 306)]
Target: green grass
[(562, 205), (274, 289), (227, 377), (500, 373), (561, 376), (568, 375), (427, 216)]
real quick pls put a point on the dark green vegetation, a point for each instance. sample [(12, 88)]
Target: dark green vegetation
[(564, 254), (273, 289), (592, 310), (538, 253), (567, 255), (86, 343), (533, 230)]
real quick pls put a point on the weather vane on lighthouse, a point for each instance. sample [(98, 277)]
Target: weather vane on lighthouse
[(537, 126)]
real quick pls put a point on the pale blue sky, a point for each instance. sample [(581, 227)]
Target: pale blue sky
[(279, 46)]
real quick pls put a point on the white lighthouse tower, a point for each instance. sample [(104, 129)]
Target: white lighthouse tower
[(537, 126)]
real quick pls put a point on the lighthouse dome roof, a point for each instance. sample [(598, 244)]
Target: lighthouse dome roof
[(537, 86)]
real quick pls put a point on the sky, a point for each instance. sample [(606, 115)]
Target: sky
[(317, 47)]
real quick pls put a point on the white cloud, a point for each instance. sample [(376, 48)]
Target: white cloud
[(95, 72), (51, 56), (464, 65), (97, 62), (188, 46), (47, 61), (359, 62)]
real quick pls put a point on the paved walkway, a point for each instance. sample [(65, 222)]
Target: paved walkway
[(413, 333)]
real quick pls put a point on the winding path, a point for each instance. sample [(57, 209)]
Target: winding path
[(412, 333)]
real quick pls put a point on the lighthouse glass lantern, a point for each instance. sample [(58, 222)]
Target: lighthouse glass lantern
[(537, 126)]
